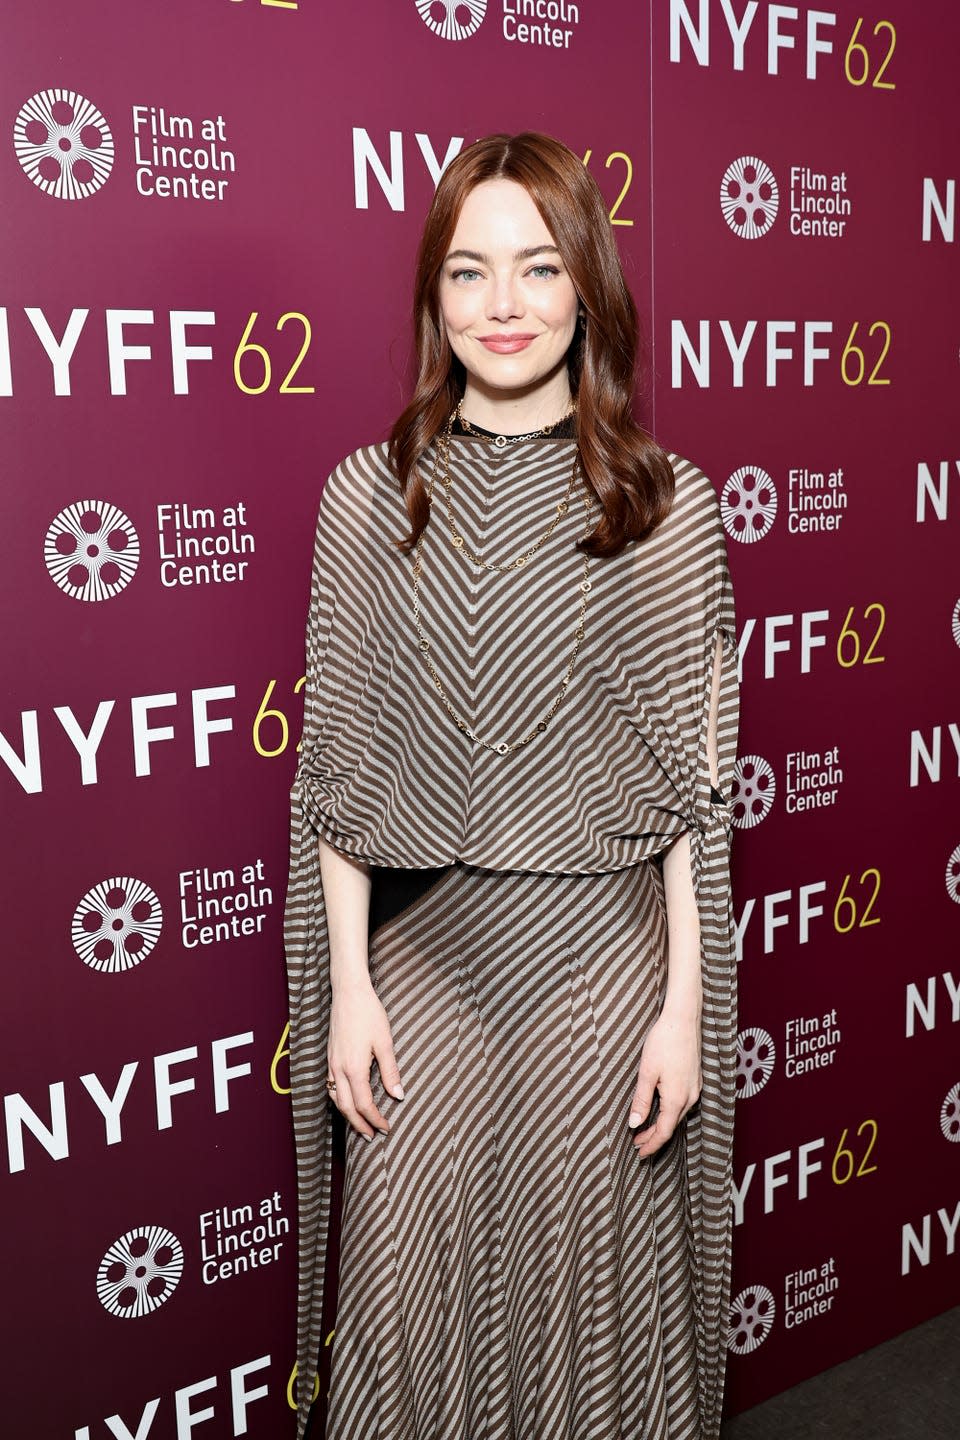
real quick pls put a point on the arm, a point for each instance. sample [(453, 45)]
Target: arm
[(346, 897), (359, 1029), (671, 1052), (684, 991)]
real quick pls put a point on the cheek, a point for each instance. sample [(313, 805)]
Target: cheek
[(455, 311), (563, 310)]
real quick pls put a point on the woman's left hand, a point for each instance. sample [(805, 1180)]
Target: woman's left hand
[(670, 1062)]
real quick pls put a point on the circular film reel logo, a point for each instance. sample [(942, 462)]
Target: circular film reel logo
[(63, 143), (756, 1054), (452, 19), (955, 622), (953, 876), (752, 791), (950, 1114), (749, 197), (748, 504), (752, 1314), (140, 1271), (116, 925), (91, 550)]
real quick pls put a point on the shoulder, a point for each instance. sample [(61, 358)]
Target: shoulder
[(696, 504), (691, 486), (362, 485), (691, 541), (358, 474)]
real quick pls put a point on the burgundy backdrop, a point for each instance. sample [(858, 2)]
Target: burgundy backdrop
[(210, 213)]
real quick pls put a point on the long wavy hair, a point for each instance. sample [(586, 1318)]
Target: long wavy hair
[(627, 471)]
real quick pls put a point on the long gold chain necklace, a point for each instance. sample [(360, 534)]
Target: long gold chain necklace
[(456, 538), (503, 747)]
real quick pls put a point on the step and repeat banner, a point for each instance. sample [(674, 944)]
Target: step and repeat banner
[(209, 218)]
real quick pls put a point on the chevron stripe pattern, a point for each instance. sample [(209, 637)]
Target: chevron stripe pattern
[(510, 1270)]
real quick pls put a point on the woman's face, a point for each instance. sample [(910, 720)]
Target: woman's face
[(506, 301)]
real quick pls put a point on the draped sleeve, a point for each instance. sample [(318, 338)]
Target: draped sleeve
[(308, 987), (681, 605), (707, 815)]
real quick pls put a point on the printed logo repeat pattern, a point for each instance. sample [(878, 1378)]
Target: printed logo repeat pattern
[(64, 144), (185, 358), (453, 19), (950, 1114), (756, 1054), (749, 197), (752, 1314), (116, 924), (753, 791), (748, 504), (91, 550), (140, 1271)]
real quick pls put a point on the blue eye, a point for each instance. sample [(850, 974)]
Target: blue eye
[(458, 274), (550, 269)]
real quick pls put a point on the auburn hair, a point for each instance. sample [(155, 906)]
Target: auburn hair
[(627, 471)]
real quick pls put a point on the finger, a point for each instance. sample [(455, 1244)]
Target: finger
[(389, 1070), (659, 1133), (642, 1098), (347, 1106), (365, 1103), (650, 1140)]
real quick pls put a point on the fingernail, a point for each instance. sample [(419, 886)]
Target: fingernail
[(635, 1117), (365, 1135), (398, 1092)]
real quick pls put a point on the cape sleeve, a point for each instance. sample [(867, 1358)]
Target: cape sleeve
[(307, 962), (338, 653), (335, 795), (710, 1124)]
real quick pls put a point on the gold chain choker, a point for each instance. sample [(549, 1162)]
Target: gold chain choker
[(502, 441)]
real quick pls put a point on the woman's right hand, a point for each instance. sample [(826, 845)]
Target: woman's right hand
[(360, 1034)]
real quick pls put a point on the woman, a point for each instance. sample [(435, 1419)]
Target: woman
[(508, 926)]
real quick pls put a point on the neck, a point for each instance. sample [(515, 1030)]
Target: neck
[(516, 412)]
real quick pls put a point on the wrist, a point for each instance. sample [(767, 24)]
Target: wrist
[(349, 976), (682, 1009)]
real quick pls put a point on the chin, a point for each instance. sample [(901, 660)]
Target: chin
[(515, 374)]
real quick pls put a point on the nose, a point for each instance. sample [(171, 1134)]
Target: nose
[(503, 299)]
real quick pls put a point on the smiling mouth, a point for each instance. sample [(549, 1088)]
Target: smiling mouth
[(506, 343)]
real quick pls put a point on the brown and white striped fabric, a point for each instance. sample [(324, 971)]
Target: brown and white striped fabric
[(510, 1268)]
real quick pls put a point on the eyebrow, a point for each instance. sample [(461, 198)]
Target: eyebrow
[(526, 254)]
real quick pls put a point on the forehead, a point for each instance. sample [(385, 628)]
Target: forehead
[(500, 211)]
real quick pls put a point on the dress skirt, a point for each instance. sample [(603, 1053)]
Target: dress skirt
[(510, 1268)]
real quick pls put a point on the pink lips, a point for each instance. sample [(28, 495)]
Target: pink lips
[(506, 344)]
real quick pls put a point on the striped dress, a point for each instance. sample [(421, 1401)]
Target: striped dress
[(510, 1269)]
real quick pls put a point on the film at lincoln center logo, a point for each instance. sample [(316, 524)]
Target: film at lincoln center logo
[(63, 143), (140, 1271), (748, 504), (752, 1314), (91, 550), (749, 197), (452, 19), (116, 924)]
